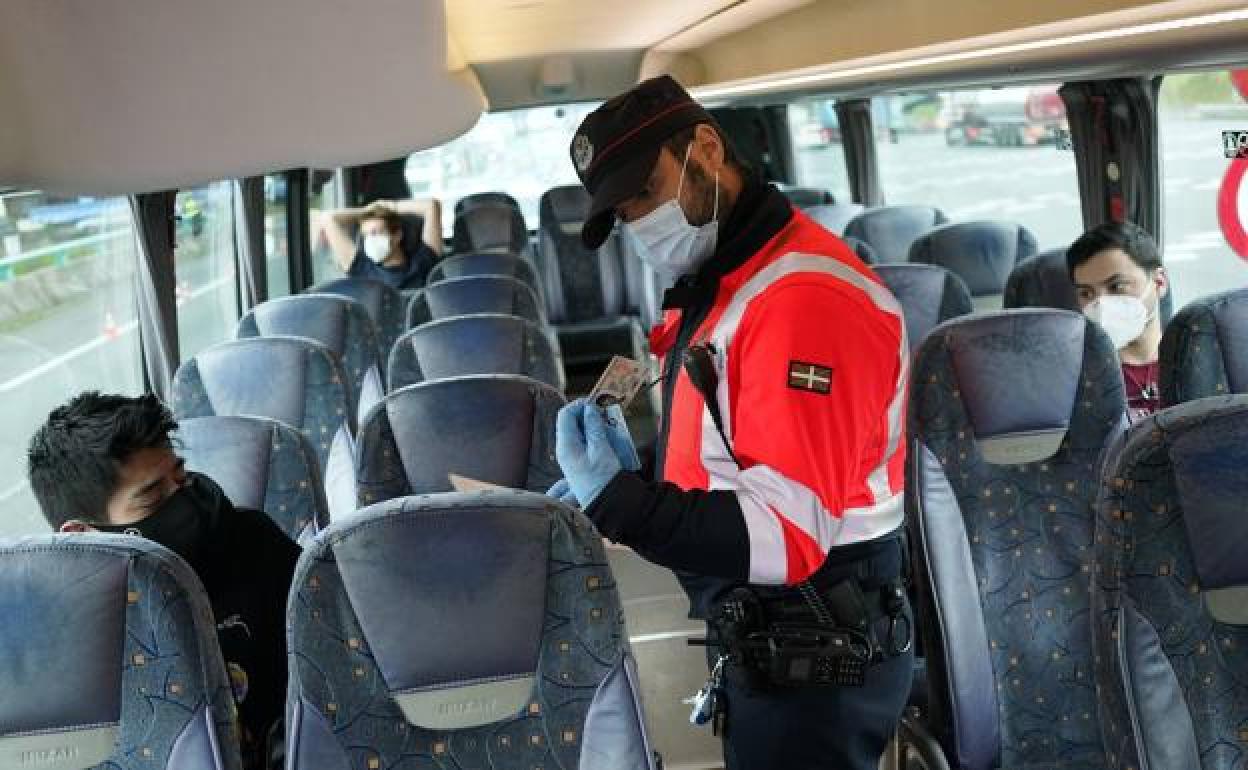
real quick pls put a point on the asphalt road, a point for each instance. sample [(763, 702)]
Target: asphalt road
[(75, 348)]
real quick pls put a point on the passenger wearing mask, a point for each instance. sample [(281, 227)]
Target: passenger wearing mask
[(1120, 281), (106, 463), (385, 251), (776, 495)]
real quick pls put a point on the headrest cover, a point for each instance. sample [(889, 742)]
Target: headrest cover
[(566, 204), (1232, 319), (371, 294), (1018, 373), (232, 451), (322, 317), (1041, 281), (450, 592), (481, 263), (473, 294), (237, 376), (982, 253), (484, 343), (63, 602), (1210, 461)]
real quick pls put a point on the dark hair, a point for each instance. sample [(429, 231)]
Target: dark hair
[(394, 223), (74, 458), (677, 142), (1132, 239)]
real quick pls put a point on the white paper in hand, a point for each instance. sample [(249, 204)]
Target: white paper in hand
[(465, 484), (619, 383)]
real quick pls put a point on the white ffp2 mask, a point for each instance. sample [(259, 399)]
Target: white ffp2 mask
[(1122, 316), (665, 239), (377, 247)]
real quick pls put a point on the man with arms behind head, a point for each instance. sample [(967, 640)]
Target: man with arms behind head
[(386, 251), (1119, 282), (106, 463)]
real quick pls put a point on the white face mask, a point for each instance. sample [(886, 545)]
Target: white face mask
[(1122, 316), (377, 247), (665, 239)]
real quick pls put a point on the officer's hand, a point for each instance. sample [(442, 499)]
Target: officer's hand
[(584, 451), (621, 440), (562, 491)]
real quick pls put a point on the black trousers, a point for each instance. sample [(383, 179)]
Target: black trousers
[(820, 728)]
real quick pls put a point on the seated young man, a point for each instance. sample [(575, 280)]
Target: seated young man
[(1119, 280), (385, 253), (107, 463)]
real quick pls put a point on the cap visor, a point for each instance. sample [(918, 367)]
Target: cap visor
[(620, 183)]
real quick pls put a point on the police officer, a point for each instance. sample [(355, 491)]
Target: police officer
[(776, 489)]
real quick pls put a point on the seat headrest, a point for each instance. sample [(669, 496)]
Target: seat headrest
[(1041, 281), (563, 205), (891, 229), (485, 343), (321, 317), (479, 294), (485, 198), (489, 226), (484, 263), (236, 376), (863, 250), (1204, 351), (373, 295), (1017, 374), (834, 216), (929, 295), (450, 592), (982, 253), (805, 197)]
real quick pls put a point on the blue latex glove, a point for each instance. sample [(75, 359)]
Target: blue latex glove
[(621, 440), (562, 491), (584, 451)]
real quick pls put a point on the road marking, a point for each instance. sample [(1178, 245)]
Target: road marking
[(666, 635)]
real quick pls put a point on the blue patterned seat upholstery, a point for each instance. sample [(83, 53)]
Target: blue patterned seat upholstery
[(1204, 351), (292, 379), (982, 254), (834, 216), (260, 464), (486, 343), (1009, 415), (487, 263), (496, 428), (109, 659), (385, 305), (489, 226), (339, 323), (891, 229), (929, 296), (1171, 590), (478, 630), (1041, 281), (474, 294)]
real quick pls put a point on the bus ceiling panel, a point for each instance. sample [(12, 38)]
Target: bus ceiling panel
[(580, 77), (125, 96), (899, 44)]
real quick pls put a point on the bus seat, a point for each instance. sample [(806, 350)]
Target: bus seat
[(476, 630), (891, 229), (929, 296), (485, 198), (486, 263), (805, 197), (486, 343), (109, 658), (862, 250), (1204, 350), (834, 216), (295, 380), (261, 464), (340, 324), (1171, 590), (1041, 281), (385, 305), (474, 294), (982, 254), (485, 226), (1009, 415), (496, 428)]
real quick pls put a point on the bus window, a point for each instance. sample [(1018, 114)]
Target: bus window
[(817, 148), (1193, 112), (325, 195), (983, 154), (68, 322), (521, 152), (207, 294), (276, 237)]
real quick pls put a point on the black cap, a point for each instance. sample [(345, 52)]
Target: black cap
[(617, 145)]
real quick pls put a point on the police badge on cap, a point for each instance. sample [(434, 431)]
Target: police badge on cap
[(582, 152)]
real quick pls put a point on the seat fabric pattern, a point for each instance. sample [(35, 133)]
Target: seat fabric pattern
[(1204, 351), (834, 216), (1171, 518), (499, 429), (582, 711), (385, 305), (135, 616), (487, 263), (1041, 281), (891, 229), (929, 296), (490, 226), (337, 322), (475, 344), (474, 294), (982, 254), (1004, 552), (580, 284), (261, 464), (291, 379)]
